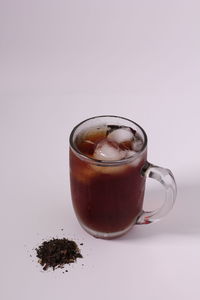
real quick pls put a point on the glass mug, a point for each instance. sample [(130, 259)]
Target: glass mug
[(107, 195)]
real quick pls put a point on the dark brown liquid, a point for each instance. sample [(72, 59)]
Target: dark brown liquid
[(106, 199)]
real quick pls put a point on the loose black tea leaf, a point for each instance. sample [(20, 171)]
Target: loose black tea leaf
[(55, 253)]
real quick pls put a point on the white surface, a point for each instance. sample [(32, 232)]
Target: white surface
[(61, 62)]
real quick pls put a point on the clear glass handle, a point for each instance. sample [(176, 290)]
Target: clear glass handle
[(166, 178)]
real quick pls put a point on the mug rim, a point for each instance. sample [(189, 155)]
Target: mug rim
[(106, 162)]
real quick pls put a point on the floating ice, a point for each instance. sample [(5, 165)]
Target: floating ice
[(121, 135), (137, 145), (106, 150), (93, 133), (89, 142), (129, 153), (110, 170)]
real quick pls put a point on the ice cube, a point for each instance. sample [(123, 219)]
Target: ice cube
[(84, 173), (137, 145), (110, 170), (94, 134), (136, 161), (106, 150), (129, 153), (121, 135)]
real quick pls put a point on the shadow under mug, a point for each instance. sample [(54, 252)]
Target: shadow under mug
[(107, 196)]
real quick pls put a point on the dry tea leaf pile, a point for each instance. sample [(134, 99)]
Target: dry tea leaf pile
[(55, 253)]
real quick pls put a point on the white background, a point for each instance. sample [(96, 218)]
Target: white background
[(64, 61)]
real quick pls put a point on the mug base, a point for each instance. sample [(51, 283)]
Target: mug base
[(106, 235)]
